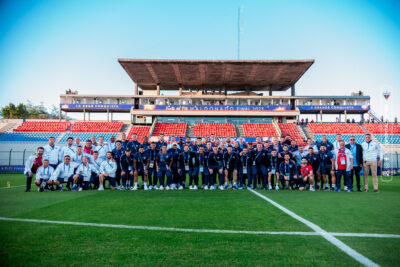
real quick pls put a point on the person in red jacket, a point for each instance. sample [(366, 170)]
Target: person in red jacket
[(306, 175)]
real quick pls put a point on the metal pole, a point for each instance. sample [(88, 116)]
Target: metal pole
[(238, 25), (9, 158), (23, 157)]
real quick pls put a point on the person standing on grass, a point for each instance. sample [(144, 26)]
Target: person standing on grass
[(343, 165), (186, 164), (216, 166), (140, 164), (259, 165), (357, 152), (69, 149), (326, 143), (117, 153), (371, 151), (102, 148), (164, 162), (336, 144), (288, 172), (327, 167), (52, 152), (31, 165), (127, 169), (273, 169), (152, 175), (230, 168), (201, 168)]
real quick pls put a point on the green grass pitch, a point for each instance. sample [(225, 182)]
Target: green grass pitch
[(44, 244)]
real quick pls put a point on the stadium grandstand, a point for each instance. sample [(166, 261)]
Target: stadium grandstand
[(197, 98)]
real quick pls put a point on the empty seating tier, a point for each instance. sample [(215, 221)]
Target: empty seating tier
[(103, 127), (28, 136), (382, 128), (392, 139), (219, 129), (292, 130), (141, 132), (336, 128), (168, 129), (42, 126), (259, 129)]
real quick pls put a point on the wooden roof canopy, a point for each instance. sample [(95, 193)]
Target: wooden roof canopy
[(233, 75)]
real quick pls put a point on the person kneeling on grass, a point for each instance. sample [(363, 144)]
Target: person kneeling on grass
[(288, 172), (83, 175), (64, 173), (306, 176), (43, 177), (108, 169)]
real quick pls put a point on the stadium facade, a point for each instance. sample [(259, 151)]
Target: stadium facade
[(233, 91)]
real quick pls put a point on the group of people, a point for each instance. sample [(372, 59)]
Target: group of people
[(212, 162)]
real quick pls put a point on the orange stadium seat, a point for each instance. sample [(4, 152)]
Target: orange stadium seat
[(259, 129), (219, 129), (335, 128), (382, 128), (168, 129), (141, 132), (94, 126), (42, 126), (292, 130)]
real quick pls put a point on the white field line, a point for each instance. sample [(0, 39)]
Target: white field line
[(171, 229), (328, 236), (12, 186)]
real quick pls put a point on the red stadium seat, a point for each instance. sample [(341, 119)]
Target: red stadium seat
[(42, 126), (335, 128), (259, 129), (94, 126), (382, 128), (141, 132), (168, 129), (292, 130), (219, 129)]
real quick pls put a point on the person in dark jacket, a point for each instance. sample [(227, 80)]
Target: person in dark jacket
[(357, 151)]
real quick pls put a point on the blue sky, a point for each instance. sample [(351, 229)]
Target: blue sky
[(49, 46)]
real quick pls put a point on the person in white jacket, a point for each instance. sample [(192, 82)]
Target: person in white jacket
[(336, 144), (32, 165), (43, 176), (371, 151), (64, 173), (83, 177), (343, 165), (69, 149), (107, 172), (52, 152)]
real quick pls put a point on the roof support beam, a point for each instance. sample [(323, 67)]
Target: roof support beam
[(253, 72), (202, 71), (152, 72), (177, 73), (227, 73)]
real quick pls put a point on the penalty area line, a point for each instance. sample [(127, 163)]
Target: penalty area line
[(328, 236)]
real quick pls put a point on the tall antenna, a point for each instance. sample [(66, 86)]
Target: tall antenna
[(239, 29)]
